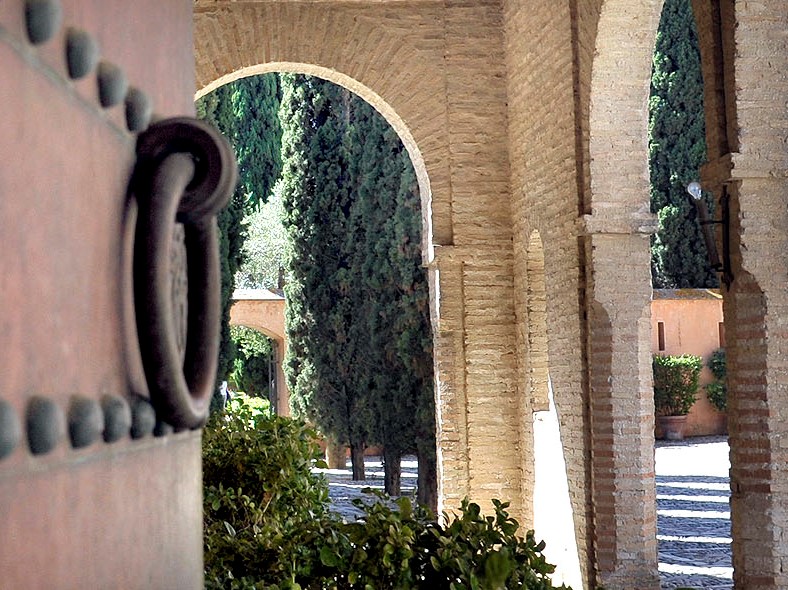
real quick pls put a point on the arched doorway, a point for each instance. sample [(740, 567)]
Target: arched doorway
[(732, 36), (405, 75)]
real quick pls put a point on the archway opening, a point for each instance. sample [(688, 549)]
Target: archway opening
[(619, 138), (337, 295), (691, 476), (254, 367)]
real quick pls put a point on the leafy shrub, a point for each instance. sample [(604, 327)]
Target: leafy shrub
[(258, 486), (250, 372), (717, 390), (404, 547), (267, 524), (675, 383)]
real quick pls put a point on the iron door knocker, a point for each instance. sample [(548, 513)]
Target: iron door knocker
[(185, 173)]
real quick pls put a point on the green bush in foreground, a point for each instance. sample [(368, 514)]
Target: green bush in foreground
[(257, 487), (267, 524)]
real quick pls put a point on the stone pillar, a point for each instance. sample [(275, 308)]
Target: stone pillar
[(749, 165), (446, 291), (282, 391), (621, 405)]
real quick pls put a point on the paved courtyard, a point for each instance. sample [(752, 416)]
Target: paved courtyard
[(693, 515), (692, 508)]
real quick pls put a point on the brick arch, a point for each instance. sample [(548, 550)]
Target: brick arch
[(361, 54), (264, 311), (373, 99), (433, 65)]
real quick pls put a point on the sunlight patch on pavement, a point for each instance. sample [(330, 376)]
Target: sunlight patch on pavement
[(715, 572), (716, 540), (694, 485), (682, 498), (694, 514)]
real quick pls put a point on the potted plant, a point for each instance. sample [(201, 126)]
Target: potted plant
[(675, 388)]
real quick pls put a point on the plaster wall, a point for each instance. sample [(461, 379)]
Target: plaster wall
[(691, 323), (264, 311)]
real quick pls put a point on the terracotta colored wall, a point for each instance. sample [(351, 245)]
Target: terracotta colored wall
[(691, 325)]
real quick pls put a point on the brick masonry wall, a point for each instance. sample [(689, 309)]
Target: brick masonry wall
[(543, 152), (748, 123)]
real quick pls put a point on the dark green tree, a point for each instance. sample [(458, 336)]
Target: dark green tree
[(320, 366), (359, 363), (246, 112), (258, 134), (677, 149), (393, 297)]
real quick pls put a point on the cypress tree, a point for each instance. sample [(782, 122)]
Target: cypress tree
[(320, 365), (359, 363), (216, 108), (412, 329), (394, 297), (258, 135), (374, 173), (677, 149)]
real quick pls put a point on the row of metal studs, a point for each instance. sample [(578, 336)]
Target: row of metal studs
[(87, 420), (43, 20)]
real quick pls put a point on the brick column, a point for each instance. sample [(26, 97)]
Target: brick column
[(756, 319), (754, 72), (477, 406), (621, 408)]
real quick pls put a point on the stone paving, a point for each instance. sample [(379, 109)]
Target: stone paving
[(693, 517), (343, 490)]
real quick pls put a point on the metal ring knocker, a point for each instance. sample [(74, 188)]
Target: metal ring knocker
[(185, 172)]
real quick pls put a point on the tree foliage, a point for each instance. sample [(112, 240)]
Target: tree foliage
[(245, 112), (394, 293), (266, 246), (677, 149), (319, 317), (717, 390), (359, 363)]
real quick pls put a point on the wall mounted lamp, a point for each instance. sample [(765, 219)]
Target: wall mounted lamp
[(722, 266)]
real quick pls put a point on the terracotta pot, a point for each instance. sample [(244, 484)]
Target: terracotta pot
[(672, 427)]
